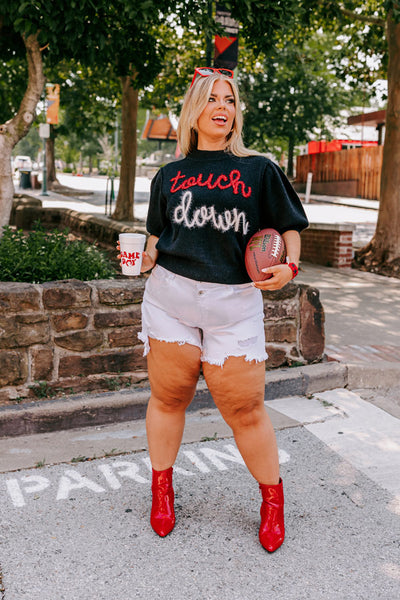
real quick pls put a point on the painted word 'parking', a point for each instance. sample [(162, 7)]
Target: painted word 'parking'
[(111, 474)]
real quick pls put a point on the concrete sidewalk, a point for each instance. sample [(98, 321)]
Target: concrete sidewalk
[(343, 201), (362, 313)]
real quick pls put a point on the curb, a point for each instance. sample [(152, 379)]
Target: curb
[(380, 374), (129, 405)]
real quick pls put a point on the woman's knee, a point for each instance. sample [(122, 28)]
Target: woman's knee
[(168, 404), (173, 395), (246, 414)]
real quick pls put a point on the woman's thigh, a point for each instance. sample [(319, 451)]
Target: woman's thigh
[(238, 389), (173, 372)]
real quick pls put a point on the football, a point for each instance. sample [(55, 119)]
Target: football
[(266, 248)]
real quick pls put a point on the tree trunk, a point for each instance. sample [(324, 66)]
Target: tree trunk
[(6, 179), (125, 199), (50, 160), (382, 254), (17, 127)]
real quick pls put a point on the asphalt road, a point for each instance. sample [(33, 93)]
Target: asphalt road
[(81, 529)]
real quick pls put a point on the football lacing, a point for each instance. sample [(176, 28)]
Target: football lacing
[(276, 246)]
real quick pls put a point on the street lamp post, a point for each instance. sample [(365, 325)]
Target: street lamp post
[(44, 133)]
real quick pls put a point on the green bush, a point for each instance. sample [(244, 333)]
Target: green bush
[(48, 256)]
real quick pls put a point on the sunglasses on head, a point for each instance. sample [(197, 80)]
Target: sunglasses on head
[(207, 71)]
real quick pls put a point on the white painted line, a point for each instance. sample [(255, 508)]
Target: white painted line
[(72, 480), (216, 456), (363, 434), (369, 438), (196, 461)]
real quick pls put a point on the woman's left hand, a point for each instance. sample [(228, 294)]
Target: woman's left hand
[(281, 275)]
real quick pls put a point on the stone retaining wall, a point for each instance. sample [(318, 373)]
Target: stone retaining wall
[(70, 336)]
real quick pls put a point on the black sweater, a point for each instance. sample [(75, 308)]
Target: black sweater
[(206, 207)]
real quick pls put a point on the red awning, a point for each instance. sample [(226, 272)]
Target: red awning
[(159, 130)]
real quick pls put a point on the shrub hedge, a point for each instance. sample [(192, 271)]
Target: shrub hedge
[(41, 256)]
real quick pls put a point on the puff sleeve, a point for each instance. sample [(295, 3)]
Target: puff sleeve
[(280, 206), (157, 214)]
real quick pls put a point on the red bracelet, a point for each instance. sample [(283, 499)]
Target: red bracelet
[(294, 268)]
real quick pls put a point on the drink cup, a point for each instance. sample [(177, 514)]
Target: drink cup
[(131, 250)]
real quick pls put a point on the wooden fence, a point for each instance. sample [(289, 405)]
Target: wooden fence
[(357, 164)]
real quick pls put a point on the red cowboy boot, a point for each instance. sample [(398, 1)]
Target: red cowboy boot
[(272, 528), (162, 516)]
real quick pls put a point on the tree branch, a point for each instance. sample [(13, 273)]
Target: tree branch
[(20, 124), (364, 18)]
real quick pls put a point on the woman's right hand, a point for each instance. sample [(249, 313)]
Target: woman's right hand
[(149, 255), (148, 262)]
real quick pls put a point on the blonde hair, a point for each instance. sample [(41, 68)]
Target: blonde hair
[(195, 102)]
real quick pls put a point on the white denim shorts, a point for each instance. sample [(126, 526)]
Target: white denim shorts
[(222, 320)]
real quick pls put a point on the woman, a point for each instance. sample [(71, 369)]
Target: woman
[(200, 309)]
